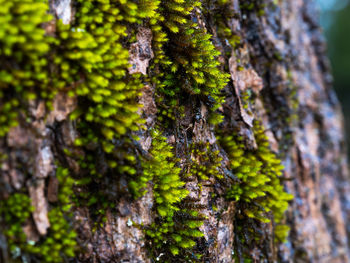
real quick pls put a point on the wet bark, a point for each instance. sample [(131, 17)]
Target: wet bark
[(282, 58)]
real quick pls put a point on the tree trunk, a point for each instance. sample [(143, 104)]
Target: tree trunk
[(192, 188)]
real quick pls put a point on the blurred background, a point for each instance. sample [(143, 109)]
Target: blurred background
[(335, 20)]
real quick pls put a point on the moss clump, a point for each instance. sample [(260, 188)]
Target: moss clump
[(252, 5), (168, 187), (258, 191), (15, 211), (60, 241), (23, 50), (205, 162), (288, 116), (258, 173), (66, 193), (222, 13), (93, 56), (189, 63), (197, 61), (175, 230), (93, 65)]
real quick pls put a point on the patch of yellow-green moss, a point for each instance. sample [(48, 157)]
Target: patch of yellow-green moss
[(204, 161), (89, 59), (258, 175), (175, 230), (188, 64), (24, 50), (93, 64), (60, 241)]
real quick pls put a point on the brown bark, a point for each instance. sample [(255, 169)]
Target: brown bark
[(281, 50)]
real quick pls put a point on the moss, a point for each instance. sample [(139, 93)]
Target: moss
[(65, 194), (92, 50), (175, 230), (204, 162), (281, 233), (246, 98), (258, 192), (24, 49), (93, 64), (221, 15), (60, 241), (188, 64), (89, 59), (258, 173), (252, 5), (289, 117), (286, 119), (168, 187), (14, 212), (215, 118)]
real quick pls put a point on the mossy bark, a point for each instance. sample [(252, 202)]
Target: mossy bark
[(275, 54)]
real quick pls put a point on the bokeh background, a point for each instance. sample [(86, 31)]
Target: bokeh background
[(335, 20)]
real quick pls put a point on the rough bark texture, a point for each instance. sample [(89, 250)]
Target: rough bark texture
[(281, 57)]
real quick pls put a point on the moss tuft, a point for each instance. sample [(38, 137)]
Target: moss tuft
[(205, 162), (60, 241), (258, 173), (175, 230), (24, 49)]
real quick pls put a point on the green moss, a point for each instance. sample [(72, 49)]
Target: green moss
[(258, 173), (60, 241), (24, 49), (246, 98), (14, 212), (281, 233), (89, 59), (258, 192), (93, 51), (289, 117), (168, 187), (215, 118), (252, 5), (222, 14), (65, 194), (175, 230), (92, 63), (205, 161), (189, 63)]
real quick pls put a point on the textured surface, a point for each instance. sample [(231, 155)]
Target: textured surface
[(282, 54)]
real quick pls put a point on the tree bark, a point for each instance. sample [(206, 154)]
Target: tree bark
[(280, 58)]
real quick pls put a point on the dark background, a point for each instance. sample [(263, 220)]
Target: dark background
[(335, 20)]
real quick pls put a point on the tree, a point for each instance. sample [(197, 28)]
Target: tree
[(169, 131)]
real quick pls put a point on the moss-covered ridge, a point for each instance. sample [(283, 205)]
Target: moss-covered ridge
[(89, 60), (258, 173), (22, 40), (175, 229), (188, 63), (60, 241)]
